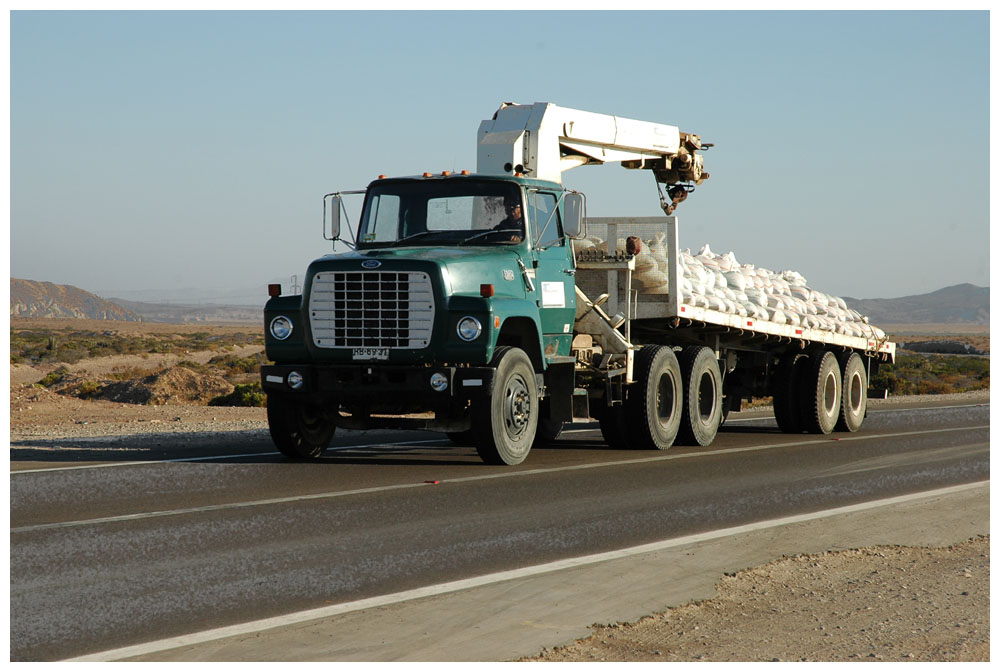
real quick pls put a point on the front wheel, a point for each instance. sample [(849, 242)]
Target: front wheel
[(505, 423), (299, 429)]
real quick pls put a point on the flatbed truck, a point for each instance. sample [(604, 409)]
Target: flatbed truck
[(464, 307)]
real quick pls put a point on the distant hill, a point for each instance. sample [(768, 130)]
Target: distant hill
[(29, 298), (966, 304), (188, 313)]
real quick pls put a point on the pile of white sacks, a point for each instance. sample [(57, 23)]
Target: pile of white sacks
[(720, 282)]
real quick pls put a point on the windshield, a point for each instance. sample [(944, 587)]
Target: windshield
[(442, 212)]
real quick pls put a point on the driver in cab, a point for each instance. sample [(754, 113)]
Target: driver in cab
[(513, 223)]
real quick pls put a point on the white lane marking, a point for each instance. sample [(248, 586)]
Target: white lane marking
[(497, 577), (467, 479), (210, 457)]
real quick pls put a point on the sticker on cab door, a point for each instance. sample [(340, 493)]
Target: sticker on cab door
[(553, 295)]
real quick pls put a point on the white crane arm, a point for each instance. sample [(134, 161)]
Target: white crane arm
[(543, 140)]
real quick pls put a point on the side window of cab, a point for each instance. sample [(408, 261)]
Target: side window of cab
[(543, 213)]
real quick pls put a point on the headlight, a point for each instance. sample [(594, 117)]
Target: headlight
[(281, 327), (439, 382), (469, 328), (295, 380)]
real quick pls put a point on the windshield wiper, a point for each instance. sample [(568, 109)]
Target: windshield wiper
[(412, 235), (488, 232)]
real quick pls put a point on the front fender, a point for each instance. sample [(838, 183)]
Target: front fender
[(516, 322)]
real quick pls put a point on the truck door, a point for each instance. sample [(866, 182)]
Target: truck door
[(554, 286)]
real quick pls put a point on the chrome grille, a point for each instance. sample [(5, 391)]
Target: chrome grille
[(371, 309)]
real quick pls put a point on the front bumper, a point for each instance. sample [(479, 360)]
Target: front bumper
[(379, 383)]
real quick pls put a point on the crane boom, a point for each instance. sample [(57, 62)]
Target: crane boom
[(543, 140)]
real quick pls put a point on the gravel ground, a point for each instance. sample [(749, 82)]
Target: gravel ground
[(881, 603)]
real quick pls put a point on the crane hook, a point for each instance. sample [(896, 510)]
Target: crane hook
[(678, 194)]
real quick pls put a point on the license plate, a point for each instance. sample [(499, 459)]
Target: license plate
[(371, 353)]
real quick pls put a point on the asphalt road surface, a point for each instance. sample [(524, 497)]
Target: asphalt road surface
[(135, 546)]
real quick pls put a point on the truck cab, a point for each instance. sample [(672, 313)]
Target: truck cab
[(449, 275)]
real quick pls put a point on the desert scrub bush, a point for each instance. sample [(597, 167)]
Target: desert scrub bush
[(248, 394), (133, 373), (88, 389), (33, 346), (54, 377), (250, 364), (934, 374)]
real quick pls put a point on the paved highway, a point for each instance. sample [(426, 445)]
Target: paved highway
[(125, 551)]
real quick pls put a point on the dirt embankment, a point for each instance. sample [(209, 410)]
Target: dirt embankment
[(882, 603)]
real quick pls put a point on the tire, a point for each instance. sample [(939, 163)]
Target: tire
[(614, 427), (466, 438), (547, 432), (504, 424), (821, 388), (854, 393), (702, 404), (299, 430), (655, 401), (786, 393)]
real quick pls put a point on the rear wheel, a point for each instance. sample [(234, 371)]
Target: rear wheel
[(786, 393), (821, 388), (655, 400), (854, 397), (614, 427), (504, 423), (701, 412), (299, 430)]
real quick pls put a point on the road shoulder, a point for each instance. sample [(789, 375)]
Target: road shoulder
[(520, 617)]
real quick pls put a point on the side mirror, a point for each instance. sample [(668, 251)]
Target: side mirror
[(335, 206), (573, 215)]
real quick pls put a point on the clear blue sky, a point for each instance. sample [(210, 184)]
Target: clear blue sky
[(187, 152)]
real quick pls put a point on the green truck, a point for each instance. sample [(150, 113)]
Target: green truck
[(464, 307)]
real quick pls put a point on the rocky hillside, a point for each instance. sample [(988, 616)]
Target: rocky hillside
[(188, 314), (966, 304), (29, 298)]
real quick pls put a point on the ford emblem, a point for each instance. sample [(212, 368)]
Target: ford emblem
[(371, 263)]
